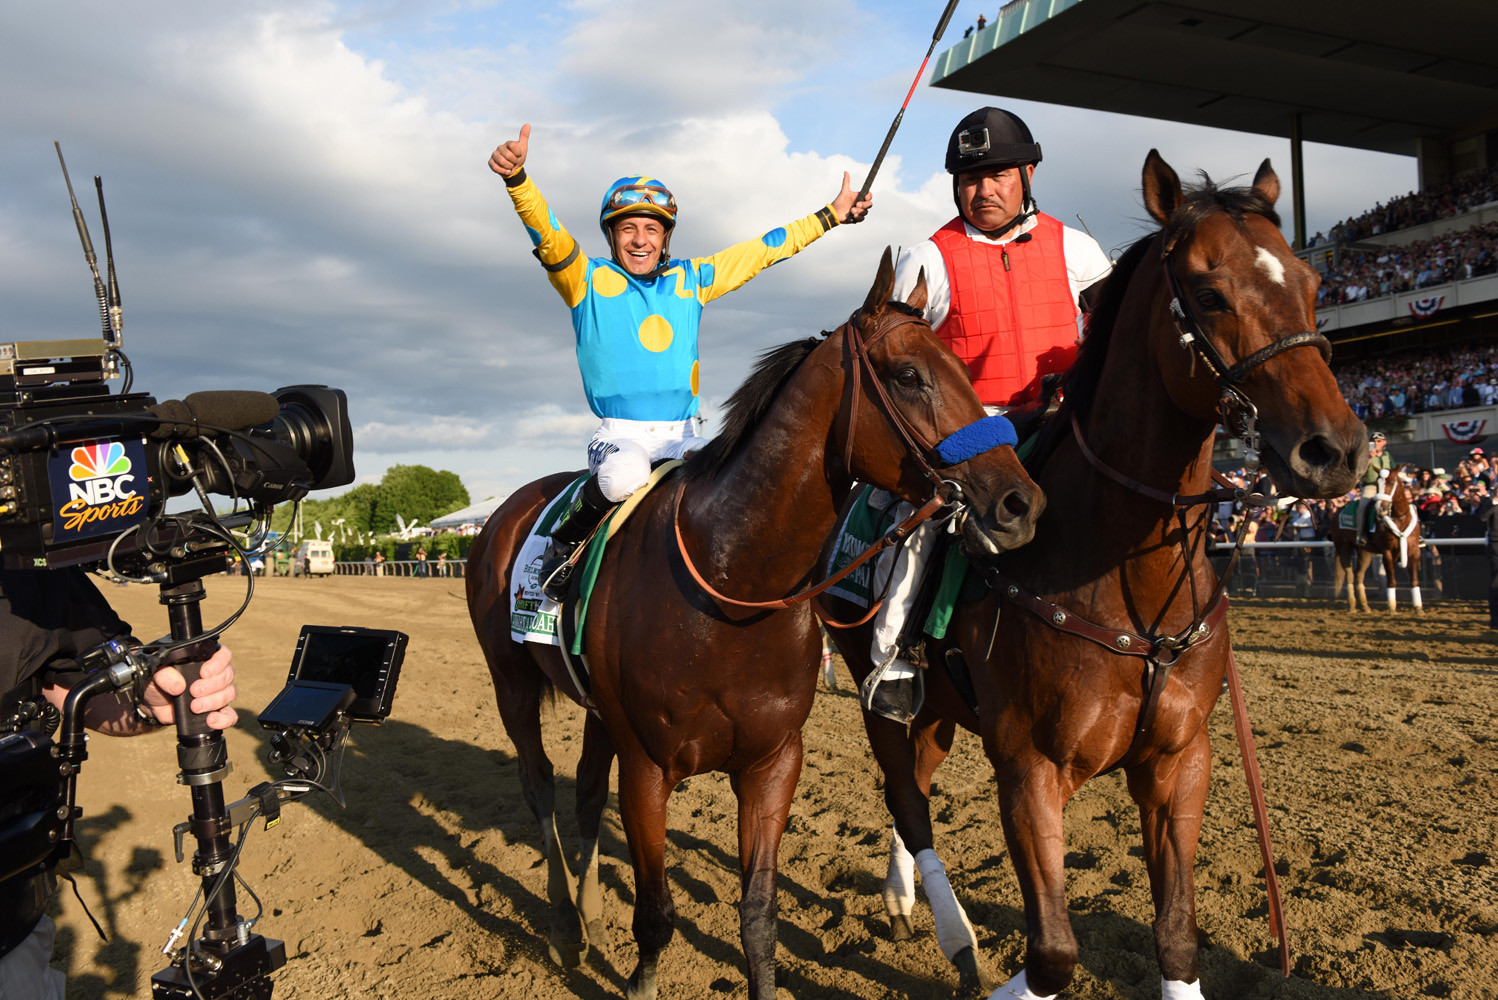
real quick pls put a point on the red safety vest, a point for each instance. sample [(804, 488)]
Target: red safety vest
[(1013, 317)]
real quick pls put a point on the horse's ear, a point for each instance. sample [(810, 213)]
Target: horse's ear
[(1267, 182), (919, 295), (1162, 188), (884, 285)]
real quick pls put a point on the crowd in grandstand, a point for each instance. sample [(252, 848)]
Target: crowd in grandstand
[(1457, 196), (1469, 253), (1419, 381)]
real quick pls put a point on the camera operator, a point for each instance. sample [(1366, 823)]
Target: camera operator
[(48, 619)]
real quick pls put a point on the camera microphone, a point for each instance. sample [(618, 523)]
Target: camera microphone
[(1022, 238), (232, 408)]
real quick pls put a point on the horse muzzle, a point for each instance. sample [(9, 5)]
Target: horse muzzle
[(1008, 522), (1325, 463)]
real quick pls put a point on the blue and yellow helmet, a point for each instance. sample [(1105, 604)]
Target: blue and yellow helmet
[(637, 196)]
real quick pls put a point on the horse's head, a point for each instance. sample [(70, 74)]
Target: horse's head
[(1235, 336), (908, 393)]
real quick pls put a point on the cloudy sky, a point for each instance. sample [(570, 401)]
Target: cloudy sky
[(298, 190)]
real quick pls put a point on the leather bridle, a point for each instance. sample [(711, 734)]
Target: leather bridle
[(1233, 401), (945, 493)]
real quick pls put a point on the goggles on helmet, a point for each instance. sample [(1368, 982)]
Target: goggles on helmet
[(637, 196), (1377, 436)]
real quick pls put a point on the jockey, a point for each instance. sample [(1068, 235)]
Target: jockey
[(1006, 286), (635, 314), (1379, 467)]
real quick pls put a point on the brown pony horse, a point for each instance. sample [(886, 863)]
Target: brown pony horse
[(685, 683), (1118, 568), (1396, 541)]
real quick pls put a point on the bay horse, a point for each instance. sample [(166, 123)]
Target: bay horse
[(1396, 541), (1112, 645), (684, 680)]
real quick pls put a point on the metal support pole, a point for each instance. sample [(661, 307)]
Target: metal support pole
[(1298, 181)]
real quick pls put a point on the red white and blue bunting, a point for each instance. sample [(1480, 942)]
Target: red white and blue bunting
[(1465, 431), (1426, 307)]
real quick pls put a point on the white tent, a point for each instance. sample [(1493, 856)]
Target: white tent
[(475, 514)]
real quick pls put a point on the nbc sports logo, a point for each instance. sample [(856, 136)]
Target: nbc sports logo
[(97, 487)]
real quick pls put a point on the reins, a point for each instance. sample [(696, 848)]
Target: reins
[(857, 349)]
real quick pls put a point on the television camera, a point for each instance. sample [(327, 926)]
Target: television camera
[(85, 476)]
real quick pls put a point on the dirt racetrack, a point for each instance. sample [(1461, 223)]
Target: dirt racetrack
[(1378, 738)]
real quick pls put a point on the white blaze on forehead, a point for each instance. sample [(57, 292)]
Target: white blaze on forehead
[(1271, 265)]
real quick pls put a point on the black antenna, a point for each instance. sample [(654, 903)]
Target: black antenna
[(116, 314), (88, 249)]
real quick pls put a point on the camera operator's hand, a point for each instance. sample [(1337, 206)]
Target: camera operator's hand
[(510, 156), (212, 692)]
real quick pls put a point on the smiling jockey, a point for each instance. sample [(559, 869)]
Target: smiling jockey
[(1005, 282), (635, 315)]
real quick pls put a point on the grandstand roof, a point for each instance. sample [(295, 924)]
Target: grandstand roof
[(476, 514), (1375, 76)]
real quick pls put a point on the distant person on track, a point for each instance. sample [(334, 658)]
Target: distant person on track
[(1377, 462), (1487, 513), (635, 315)]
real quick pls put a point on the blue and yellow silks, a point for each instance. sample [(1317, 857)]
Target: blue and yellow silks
[(637, 340)]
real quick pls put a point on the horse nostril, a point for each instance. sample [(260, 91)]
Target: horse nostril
[(1016, 504), (1318, 453)]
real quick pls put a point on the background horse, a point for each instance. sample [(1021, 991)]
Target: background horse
[(685, 683), (1395, 540), (1112, 645)]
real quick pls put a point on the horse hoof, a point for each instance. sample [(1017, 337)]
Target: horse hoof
[(900, 928), (972, 980), (567, 956), (640, 987)]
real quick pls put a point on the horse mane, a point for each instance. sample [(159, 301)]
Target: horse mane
[(748, 406), (751, 401), (1200, 202)]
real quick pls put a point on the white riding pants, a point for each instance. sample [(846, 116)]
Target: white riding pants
[(908, 565), (621, 451)]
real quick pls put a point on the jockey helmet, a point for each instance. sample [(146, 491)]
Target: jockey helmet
[(990, 137), (637, 196), (1377, 436)]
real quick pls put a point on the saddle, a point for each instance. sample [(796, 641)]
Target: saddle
[(1030, 418)]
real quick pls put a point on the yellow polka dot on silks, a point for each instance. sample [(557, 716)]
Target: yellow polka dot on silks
[(695, 373), (608, 282), (655, 333)]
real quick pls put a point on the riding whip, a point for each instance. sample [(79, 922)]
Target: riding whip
[(941, 26)]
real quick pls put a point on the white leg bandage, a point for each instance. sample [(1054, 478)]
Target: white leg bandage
[(1017, 988), (1390, 592), (1415, 597), (899, 884), (953, 931), (1173, 989)]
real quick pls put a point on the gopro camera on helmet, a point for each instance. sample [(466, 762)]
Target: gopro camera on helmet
[(972, 141)]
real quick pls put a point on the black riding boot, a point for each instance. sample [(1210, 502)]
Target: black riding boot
[(588, 508)]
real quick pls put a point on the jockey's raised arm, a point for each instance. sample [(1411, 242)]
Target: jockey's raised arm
[(635, 316)]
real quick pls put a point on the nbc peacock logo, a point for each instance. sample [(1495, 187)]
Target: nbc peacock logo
[(97, 460)]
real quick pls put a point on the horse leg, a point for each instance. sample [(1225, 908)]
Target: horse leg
[(954, 932), (1391, 581), (1031, 796), (906, 799), (592, 795), (643, 792), (1364, 559), (1170, 792), (764, 791), (1415, 557), (518, 687)]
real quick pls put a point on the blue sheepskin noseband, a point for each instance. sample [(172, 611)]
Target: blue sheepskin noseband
[(976, 438)]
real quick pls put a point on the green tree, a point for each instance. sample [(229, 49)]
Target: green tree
[(416, 493)]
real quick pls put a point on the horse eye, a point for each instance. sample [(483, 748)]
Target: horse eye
[(908, 377), (1210, 299)]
